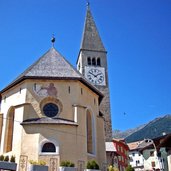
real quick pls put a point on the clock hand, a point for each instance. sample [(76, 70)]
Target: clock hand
[(98, 74), (92, 74)]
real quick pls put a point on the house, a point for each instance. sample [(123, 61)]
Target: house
[(151, 154), (111, 154), (53, 112), (117, 153), (154, 157), (135, 157), (165, 146), (122, 151)]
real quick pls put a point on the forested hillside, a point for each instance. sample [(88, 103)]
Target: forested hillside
[(153, 129)]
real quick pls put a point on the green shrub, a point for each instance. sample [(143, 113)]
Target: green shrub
[(1, 157), (40, 162), (112, 168), (6, 158), (92, 164), (129, 168), (12, 159), (33, 162), (67, 164)]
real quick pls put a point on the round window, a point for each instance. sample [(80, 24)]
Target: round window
[(50, 109)]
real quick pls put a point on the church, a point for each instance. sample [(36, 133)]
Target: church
[(53, 111)]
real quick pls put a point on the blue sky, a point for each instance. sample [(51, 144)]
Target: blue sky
[(136, 34)]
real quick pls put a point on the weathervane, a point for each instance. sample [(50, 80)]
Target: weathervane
[(53, 40)]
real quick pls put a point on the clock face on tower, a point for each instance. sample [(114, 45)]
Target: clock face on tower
[(95, 75)]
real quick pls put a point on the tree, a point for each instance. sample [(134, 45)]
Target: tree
[(129, 168), (112, 168)]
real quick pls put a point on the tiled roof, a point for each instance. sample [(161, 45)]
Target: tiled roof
[(52, 65), (134, 145), (110, 147), (46, 120), (91, 39), (145, 143)]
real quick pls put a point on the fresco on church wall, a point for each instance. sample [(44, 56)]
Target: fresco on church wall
[(45, 89)]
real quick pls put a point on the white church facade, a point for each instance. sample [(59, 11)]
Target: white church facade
[(53, 111)]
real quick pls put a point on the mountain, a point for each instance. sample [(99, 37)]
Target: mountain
[(123, 134), (153, 129)]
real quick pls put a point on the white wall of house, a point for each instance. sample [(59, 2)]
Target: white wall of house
[(169, 162), (136, 160), (151, 160)]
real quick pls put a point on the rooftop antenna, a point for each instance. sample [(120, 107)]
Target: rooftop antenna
[(53, 40)]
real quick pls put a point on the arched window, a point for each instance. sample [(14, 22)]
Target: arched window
[(98, 62), (48, 148), (9, 130), (90, 133), (89, 61), (94, 61)]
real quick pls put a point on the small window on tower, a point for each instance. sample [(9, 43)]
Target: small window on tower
[(79, 66), (34, 86), (89, 61), (94, 61), (4, 99), (98, 62)]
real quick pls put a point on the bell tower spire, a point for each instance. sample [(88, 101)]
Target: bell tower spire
[(91, 39), (92, 63)]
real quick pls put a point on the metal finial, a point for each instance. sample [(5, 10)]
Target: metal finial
[(53, 40), (88, 3)]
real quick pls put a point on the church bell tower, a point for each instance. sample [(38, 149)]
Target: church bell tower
[(92, 64)]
